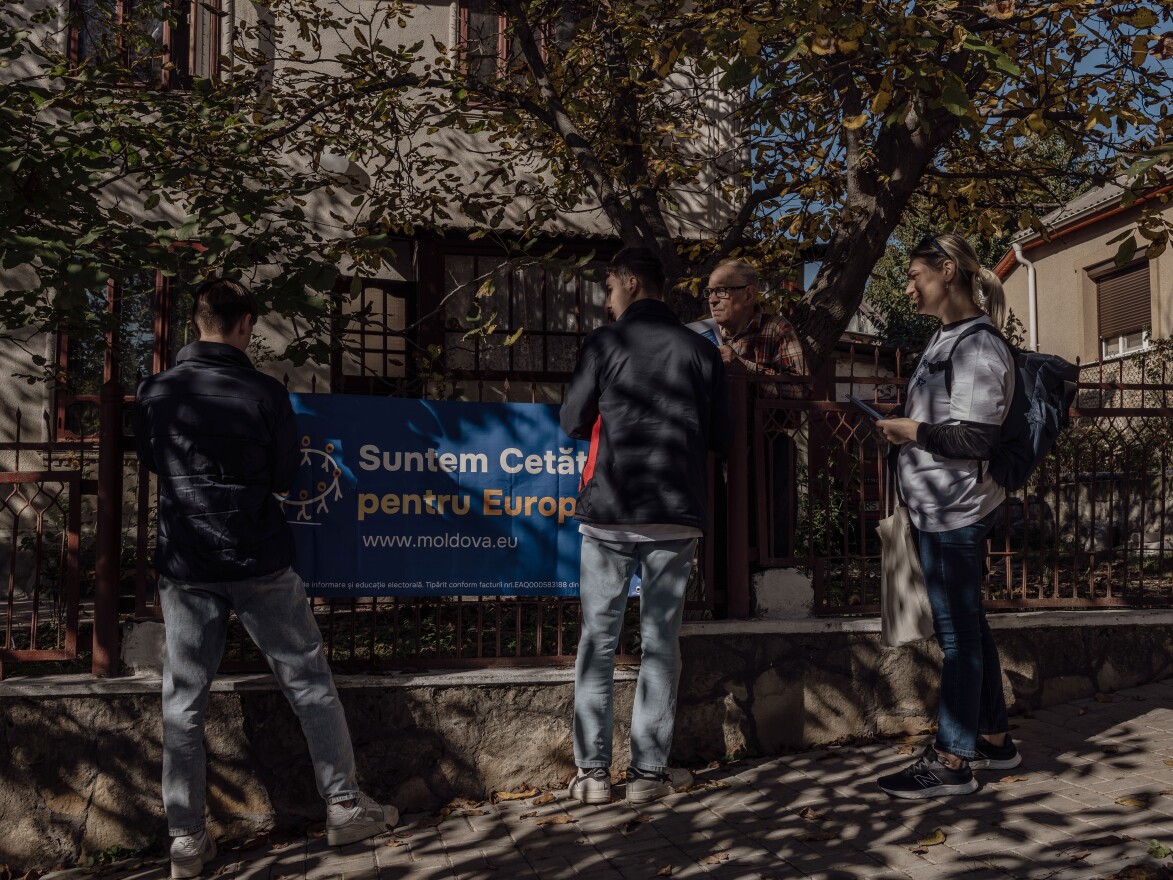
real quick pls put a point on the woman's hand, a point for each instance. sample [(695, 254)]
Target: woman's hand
[(898, 430)]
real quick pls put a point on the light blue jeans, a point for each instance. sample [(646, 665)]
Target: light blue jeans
[(275, 612), (606, 571)]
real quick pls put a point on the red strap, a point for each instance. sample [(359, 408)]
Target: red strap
[(589, 470)]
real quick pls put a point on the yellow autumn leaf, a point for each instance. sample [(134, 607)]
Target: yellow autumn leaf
[(1132, 800), (851, 123), (554, 820), (548, 797), (936, 838), (822, 42), (516, 795)]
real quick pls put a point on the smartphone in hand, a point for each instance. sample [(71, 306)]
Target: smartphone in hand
[(868, 409)]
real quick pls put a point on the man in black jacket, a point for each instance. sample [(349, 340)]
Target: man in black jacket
[(650, 394), (222, 438)]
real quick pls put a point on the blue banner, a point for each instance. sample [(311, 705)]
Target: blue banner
[(421, 497)]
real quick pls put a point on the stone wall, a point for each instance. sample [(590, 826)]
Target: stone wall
[(80, 758)]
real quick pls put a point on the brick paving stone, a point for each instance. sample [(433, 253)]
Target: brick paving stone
[(1059, 820)]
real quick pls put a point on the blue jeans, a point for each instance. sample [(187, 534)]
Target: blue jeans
[(606, 571), (972, 701), (275, 612)]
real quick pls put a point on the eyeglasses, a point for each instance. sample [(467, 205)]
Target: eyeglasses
[(724, 291), (930, 241)]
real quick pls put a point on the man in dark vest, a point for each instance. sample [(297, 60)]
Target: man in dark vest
[(222, 438)]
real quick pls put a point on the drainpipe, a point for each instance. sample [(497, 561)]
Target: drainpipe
[(1032, 297)]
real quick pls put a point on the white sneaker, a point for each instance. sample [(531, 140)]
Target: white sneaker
[(644, 787), (190, 853), (358, 822), (591, 786)]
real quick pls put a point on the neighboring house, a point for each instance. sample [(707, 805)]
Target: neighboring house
[(1089, 309), (415, 339)]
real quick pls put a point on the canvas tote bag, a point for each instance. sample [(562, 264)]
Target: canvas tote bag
[(905, 615)]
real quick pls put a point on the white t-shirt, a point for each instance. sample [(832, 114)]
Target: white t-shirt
[(943, 494), (638, 533)]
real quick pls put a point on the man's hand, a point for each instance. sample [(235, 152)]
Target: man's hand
[(898, 430), (730, 359)]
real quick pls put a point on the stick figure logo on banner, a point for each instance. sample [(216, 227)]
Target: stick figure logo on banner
[(313, 495)]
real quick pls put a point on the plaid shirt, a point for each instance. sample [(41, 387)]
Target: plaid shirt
[(769, 346)]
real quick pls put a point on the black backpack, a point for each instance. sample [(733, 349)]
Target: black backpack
[(1044, 389)]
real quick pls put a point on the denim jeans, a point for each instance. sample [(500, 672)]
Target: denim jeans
[(972, 701), (606, 570), (276, 614)]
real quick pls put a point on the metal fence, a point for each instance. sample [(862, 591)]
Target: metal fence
[(1091, 529), (803, 488)]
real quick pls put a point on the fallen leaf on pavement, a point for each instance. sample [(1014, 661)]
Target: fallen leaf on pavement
[(1168, 792), (817, 835), (1080, 856), (936, 838), (542, 800), (631, 824), (909, 739), (1110, 749), (811, 814), (906, 750), (715, 859), (516, 795), (1014, 779), (473, 813), (396, 843), (1158, 850), (528, 815), (555, 820), (1132, 800), (1168, 763), (714, 765), (665, 871)]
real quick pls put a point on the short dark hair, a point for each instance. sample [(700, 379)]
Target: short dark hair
[(218, 304), (643, 265)]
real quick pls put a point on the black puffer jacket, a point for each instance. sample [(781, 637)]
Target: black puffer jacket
[(222, 438), (652, 397)]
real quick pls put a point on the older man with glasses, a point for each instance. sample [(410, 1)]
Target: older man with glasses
[(752, 341)]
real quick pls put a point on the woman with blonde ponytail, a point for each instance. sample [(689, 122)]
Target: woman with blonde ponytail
[(957, 399)]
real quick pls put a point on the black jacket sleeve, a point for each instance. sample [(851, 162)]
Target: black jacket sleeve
[(142, 434), (972, 440), (580, 407)]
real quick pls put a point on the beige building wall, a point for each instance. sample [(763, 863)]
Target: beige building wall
[(1064, 267)]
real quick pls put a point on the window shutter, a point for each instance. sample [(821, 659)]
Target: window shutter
[(1124, 302)]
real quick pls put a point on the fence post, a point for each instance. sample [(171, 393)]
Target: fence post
[(109, 531), (737, 577)]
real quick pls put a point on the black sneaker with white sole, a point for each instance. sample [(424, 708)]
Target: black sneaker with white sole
[(929, 777), (992, 757)]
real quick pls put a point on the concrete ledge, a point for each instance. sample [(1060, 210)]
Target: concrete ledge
[(80, 758)]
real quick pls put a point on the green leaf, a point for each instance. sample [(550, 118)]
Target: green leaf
[(1126, 251), (954, 97), (1158, 850)]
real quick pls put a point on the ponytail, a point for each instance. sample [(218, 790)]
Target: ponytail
[(985, 288)]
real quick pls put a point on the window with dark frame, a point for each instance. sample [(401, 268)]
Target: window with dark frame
[(161, 50), (554, 308), (373, 326), (153, 324), (1123, 310)]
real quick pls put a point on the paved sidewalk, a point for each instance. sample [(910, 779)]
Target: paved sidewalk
[(1095, 787)]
